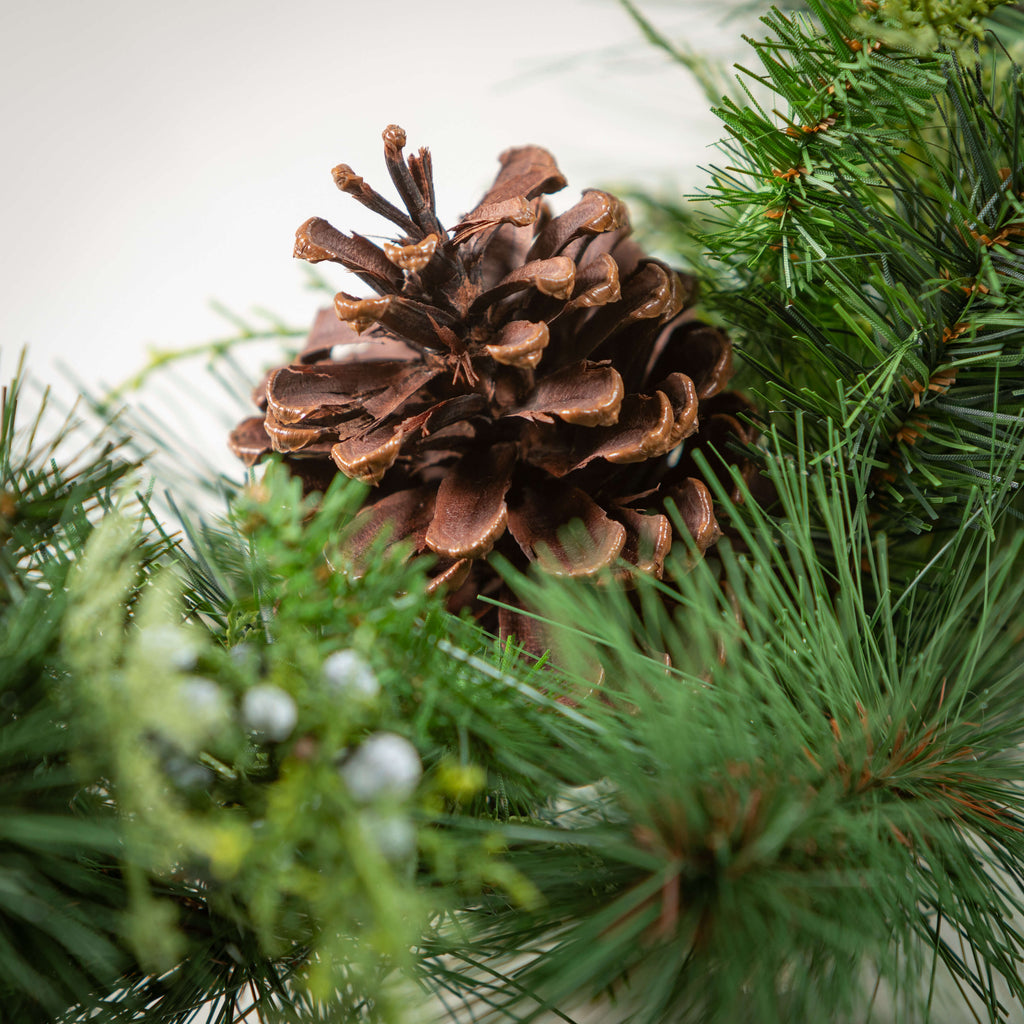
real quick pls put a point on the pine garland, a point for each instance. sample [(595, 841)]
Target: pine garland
[(242, 780), (836, 797)]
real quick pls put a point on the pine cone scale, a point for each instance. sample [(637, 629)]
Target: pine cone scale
[(693, 501), (587, 394), (401, 174), (648, 542), (317, 240), (403, 514), (470, 512), (412, 321), (705, 352), (564, 530), (647, 429), (327, 334), (554, 277), (352, 184), (338, 390), (369, 456), (596, 213), (526, 173), (597, 284), (287, 439), (520, 343), (249, 441)]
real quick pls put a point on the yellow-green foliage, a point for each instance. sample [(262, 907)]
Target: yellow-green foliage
[(922, 26), (237, 824)]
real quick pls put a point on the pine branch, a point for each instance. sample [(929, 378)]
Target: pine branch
[(827, 779), (60, 896), (872, 235)]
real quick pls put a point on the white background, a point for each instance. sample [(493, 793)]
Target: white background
[(159, 156)]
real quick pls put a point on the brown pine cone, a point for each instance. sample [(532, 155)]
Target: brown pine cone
[(511, 376)]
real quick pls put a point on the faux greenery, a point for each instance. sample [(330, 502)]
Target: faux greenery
[(61, 892), (868, 234), (241, 781)]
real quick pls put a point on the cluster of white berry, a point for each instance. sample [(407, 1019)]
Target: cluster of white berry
[(380, 774)]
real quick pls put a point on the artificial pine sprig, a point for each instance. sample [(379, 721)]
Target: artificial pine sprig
[(825, 782), (871, 238), (61, 895)]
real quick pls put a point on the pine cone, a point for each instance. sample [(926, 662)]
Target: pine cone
[(520, 383)]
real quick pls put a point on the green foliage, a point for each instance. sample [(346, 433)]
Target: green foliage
[(267, 865), (826, 782), (926, 25), (242, 778), (872, 241), (867, 237), (60, 895)]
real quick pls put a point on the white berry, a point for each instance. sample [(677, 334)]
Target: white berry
[(350, 675), (393, 835), (205, 702), (385, 766), (169, 645), (269, 711)]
